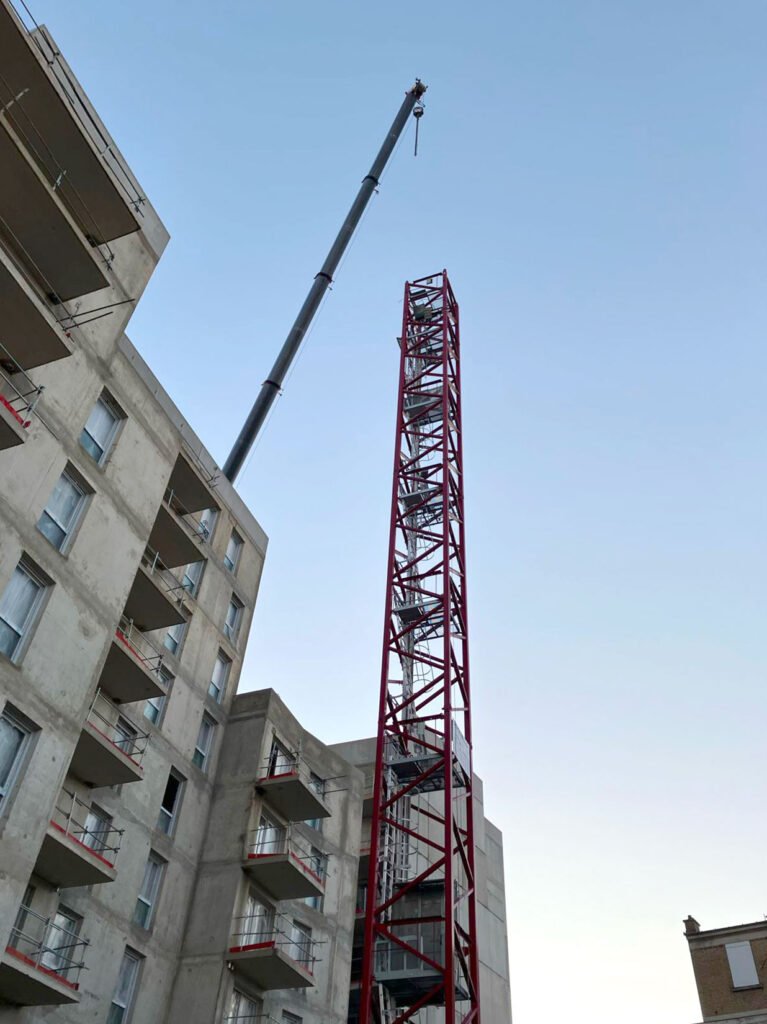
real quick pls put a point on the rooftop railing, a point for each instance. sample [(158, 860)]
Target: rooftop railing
[(48, 945), (106, 717), (77, 819), (18, 392), (280, 839), (260, 930)]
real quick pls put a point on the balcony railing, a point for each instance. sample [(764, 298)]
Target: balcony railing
[(249, 1018), (140, 645), (106, 717), (279, 767), (167, 580), (194, 522), (267, 930), (49, 946), (276, 840), (76, 819), (18, 392)]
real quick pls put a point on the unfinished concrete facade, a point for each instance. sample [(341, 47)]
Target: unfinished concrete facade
[(169, 852), (730, 966)]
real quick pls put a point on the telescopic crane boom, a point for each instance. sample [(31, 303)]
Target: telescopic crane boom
[(273, 383)]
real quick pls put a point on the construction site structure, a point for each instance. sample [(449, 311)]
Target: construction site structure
[(420, 940)]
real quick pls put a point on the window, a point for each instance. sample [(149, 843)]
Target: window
[(122, 1000), (742, 967), (243, 1008), (174, 637), (192, 577), (257, 922), (97, 829), (63, 510), (317, 783), (300, 946), (204, 743), (315, 823), (291, 1018), (125, 736), (171, 802), (149, 891), (233, 617), (233, 550), (61, 940), (14, 741), (269, 836), (100, 430), (18, 607), (154, 706), (217, 685), (317, 862), (208, 522), (281, 761)]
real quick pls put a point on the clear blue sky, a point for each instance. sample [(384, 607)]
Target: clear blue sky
[(592, 176)]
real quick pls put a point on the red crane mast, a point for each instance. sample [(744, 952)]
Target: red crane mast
[(420, 938)]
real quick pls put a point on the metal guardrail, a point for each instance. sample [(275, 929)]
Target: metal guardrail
[(21, 398), (282, 839), (262, 930), (249, 1018), (49, 946), (139, 644), (198, 527), (294, 765), (70, 814), (104, 716), (156, 567)]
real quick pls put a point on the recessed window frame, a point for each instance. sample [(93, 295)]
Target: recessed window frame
[(233, 552), (219, 680), (87, 438), (149, 893), (177, 643), (126, 987), (192, 578), (160, 703), (50, 520), (17, 765), (233, 618), (203, 748), (167, 819), (25, 628)]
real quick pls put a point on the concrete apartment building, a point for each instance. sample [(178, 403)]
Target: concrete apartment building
[(730, 966), (169, 852)]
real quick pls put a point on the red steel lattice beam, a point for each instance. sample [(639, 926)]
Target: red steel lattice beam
[(420, 938)]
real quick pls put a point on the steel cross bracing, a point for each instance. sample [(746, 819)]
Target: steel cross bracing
[(420, 939)]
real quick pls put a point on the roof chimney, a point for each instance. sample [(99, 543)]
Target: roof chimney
[(691, 926)]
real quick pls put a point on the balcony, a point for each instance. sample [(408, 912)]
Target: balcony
[(110, 749), (31, 334), (96, 188), (269, 957), (132, 669), (188, 487), (177, 534), (37, 228), (79, 848), (156, 596), (292, 792), (19, 396), (282, 866), (42, 962)]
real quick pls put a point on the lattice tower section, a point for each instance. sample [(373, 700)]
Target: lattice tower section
[(420, 939)]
